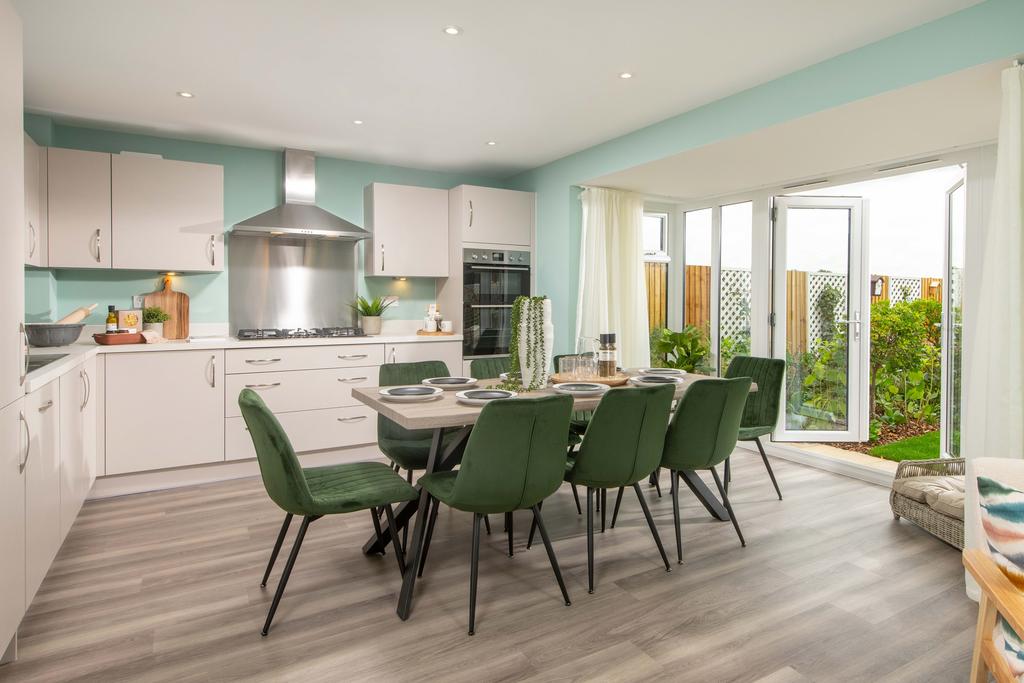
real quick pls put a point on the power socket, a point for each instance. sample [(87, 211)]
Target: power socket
[(138, 300)]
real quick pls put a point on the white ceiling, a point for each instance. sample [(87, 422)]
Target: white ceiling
[(955, 111), (539, 77)]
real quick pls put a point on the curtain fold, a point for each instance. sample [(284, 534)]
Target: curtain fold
[(994, 372), (613, 292)]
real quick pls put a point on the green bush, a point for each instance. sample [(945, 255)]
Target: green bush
[(687, 350)]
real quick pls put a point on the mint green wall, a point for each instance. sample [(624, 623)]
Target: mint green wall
[(983, 33), (253, 182)]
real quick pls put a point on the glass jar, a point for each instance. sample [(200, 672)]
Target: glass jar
[(607, 356)]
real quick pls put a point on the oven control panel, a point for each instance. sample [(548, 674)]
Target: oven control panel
[(496, 256)]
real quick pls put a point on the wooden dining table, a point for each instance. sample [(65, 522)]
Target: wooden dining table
[(446, 416)]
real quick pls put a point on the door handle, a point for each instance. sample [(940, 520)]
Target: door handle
[(854, 320), (24, 369), (471, 213), (28, 442), (262, 361), (87, 386), (32, 232), (213, 250), (354, 356), (213, 371), (98, 252), (353, 379), (355, 418), (270, 385), (394, 352), (46, 406)]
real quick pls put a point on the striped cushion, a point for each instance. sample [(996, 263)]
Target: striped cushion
[(1002, 516)]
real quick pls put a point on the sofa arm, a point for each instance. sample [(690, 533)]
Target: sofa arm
[(922, 468)]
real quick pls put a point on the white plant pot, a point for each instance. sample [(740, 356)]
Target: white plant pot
[(156, 327), (530, 374), (371, 324)]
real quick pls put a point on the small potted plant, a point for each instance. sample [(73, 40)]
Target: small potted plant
[(153, 318), (370, 311)]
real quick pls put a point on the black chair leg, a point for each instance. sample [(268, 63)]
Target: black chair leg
[(655, 481), (551, 553), (399, 550), (728, 473), (576, 497), (728, 506), (654, 529), (287, 572), (604, 507), (487, 524), (615, 510), (508, 527), (590, 540), (430, 532), (277, 548), (533, 528), (767, 465), (675, 516), (474, 566)]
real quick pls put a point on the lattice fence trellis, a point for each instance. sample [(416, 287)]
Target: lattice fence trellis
[(816, 284), (904, 289), (735, 306)]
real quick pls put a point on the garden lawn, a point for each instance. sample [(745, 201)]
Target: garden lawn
[(923, 447)]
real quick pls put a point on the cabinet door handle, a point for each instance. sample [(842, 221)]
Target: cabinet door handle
[(28, 442), (271, 385), (46, 406), (382, 257), (355, 418), (86, 386), (471, 213), (353, 379), (98, 252), (353, 356), (32, 232), (262, 361), (213, 371), (393, 357), (24, 369), (213, 250)]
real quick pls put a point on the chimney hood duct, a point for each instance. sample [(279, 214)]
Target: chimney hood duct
[(299, 216)]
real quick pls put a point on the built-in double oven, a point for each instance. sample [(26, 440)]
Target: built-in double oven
[(492, 279)]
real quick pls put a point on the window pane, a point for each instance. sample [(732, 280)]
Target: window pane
[(697, 272), (734, 287), (654, 233)]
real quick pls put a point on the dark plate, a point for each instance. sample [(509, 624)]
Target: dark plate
[(580, 387), (656, 379), (410, 391), (450, 380), (487, 394)]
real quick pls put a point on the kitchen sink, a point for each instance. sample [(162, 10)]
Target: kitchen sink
[(42, 360)]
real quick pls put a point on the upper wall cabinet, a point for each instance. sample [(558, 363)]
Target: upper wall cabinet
[(78, 203), (35, 204), (410, 230), (486, 215), (167, 215)]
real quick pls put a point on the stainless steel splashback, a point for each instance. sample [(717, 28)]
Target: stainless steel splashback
[(290, 282)]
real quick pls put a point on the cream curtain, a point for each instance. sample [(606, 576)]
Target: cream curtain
[(994, 371), (613, 293)]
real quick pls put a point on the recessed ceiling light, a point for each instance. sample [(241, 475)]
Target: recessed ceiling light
[(452, 30), (186, 94), (358, 122), (491, 143), (625, 75)]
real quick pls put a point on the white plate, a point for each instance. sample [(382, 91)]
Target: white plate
[(655, 380), (580, 388), (410, 394), (483, 396), (450, 383), (661, 371)]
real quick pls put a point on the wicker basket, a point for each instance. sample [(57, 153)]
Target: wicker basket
[(943, 527)]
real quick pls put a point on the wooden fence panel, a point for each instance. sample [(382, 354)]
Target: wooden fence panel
[(656, 275), (796, 311), (931, 288), (698, 296)]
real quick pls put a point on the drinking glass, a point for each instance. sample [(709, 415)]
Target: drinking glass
[(567, 367), (586, 367)]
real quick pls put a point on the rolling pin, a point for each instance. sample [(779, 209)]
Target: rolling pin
[(77, 315)]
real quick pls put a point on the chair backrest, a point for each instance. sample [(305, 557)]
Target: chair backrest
[(762, 408), (280, 469), (515, 456), (397, 374), (488, 368), (555, 359), (624, 439), (704, 430)]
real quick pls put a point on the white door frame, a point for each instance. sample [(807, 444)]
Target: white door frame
[(948, 329)]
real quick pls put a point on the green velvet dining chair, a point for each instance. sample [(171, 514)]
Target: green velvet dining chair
[(514, 459), (314, 492), (622, 447), (488, 368), (761, 412), (701, 436)]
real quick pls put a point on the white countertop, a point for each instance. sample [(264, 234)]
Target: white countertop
[(86, 347)]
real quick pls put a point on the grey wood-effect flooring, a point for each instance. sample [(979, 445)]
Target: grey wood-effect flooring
[(165, 587)]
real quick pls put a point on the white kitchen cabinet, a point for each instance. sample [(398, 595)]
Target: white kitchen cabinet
[(299, 389), (166, 214), (309, 430), (78, 208), (163, 409), (410, 230), (490, 216), (280, 358), (77, 440), (13, 447), (35, 204), (42, 485), (412, 352)]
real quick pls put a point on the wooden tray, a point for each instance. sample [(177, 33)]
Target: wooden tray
[(424, 333), (123, 338), (613, 381)]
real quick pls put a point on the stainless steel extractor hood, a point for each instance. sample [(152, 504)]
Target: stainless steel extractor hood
[(299, 216)]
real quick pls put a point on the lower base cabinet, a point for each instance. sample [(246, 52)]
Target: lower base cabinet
[(163, 409), (13, 447), (77, 440), (309, 430), (42, 485)]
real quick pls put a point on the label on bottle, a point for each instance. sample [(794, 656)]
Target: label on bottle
[(111, 328)]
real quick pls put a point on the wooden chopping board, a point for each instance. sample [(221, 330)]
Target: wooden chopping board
[(174, 304)]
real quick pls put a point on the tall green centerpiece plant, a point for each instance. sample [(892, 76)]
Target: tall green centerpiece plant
[(531, 344)]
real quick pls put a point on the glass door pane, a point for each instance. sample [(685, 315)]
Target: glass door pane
[(697, 273), (734, 283), (818, 273), (956, 221)]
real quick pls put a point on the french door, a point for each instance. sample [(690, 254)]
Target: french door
[(821, 317), (952, 317)]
